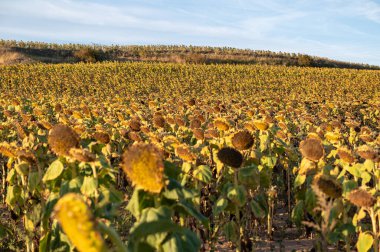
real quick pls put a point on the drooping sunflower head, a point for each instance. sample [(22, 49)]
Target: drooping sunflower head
[(312, 149), (367, 152), (198, 134), (185, 153), (7, 150), (361, 198), (62, 138), (159, 121), (102, 137), (82, 155), (346, 155), (328, 185), (261, 124), (231, 157), (135, 125), (221, 124), (78, 223), (143, 164), (242, 140)]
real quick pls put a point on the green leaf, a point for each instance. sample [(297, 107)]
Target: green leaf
[(185, 241), (44, 241), (203, 173), (348, 186), (269, 161), (366, 177), (368, 165), (89, 186), (250, 176), (220, 205), (22, 168), (138, 202), (354, 170), (190, 209), (33, 181), (231, 230), (237, 194), (55, 169), (365, 242), (298, 213), (257, 210), (300, 179)]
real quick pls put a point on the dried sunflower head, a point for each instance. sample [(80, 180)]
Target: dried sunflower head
[(7, 150), (102, 137), (62, 138), (199, 134), (78, 223), (367, 152), (242, 140), (221, 124), (231, 157), (195, 123), (159, 121), (82, 155), (185, 153), (346, 155), (135, 125), (144, 166), (328, 185), (361, 198), (261, 124), (312, 149)]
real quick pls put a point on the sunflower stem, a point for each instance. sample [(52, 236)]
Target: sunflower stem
[(237, 214)]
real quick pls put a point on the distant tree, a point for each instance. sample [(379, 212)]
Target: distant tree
[(88, 55), (305, 60)]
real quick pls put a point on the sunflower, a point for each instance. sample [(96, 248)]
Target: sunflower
[(143, 164), (346, 155), (77, 222), (242, 140), (231, 157), (361, 198), (261, 124), (328, 185), (62, 138), (312, 149)]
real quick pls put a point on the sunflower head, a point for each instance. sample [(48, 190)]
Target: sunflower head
[(159, 121), (195, 123), (367, 152), (312, 149), (78, 223), (231, 157), (102, 137), (242, 140), (328, 185), (221, 124), (135, 125), (7, 150), (185, 153), (361, 198), (82, 155), (346, 155), (261, 124), (144, 166), (62, 138), (198, 134)]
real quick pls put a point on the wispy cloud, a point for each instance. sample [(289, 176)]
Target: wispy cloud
[(341, 29)]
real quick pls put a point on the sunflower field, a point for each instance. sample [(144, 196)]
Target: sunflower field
[(186, 157)]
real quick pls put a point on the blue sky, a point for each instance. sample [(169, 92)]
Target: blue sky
[(346, 30)]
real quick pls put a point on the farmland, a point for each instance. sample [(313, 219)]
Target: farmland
[(144, 156)]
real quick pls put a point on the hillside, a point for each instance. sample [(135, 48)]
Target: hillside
[(13, 52)]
